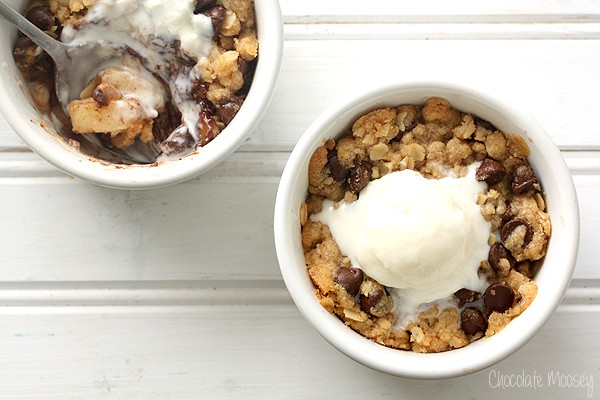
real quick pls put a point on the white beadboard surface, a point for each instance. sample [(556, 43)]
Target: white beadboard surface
[(176, 293)]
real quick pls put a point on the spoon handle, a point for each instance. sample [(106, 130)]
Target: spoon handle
[(38, 36)]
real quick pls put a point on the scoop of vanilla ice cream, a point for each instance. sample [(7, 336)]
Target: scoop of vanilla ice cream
[(425, 237)]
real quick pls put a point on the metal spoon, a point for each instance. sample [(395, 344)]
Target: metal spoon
[(71, 74)]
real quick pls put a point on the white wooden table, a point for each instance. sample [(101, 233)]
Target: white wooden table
[(176, 293)]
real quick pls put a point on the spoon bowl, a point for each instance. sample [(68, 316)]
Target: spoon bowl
[(71, 76)]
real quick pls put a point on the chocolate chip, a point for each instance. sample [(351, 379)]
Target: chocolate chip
[(247, 69), (350, 279), (367, 303), (104, 93), (25, 52), (485, 124), (337, 170), (228, 107), (203, 5), (216, 15), (472, 321), (499, 297), (207, 128), (199, 90), (524, 180), (509, 228), (466, 296), (242, 66), (497, 253), (179, 140), (42, 17), (360, 175), (508, 214), (490, 171), (100, 97), (199, 93)]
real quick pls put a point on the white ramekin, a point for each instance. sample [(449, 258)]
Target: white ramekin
[(16, 106), (552, 279)]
